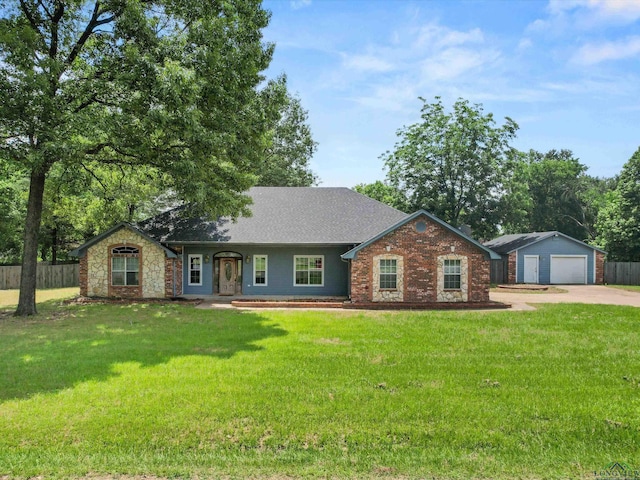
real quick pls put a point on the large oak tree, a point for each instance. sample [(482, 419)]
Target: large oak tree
[(453, 164), (170, 84)]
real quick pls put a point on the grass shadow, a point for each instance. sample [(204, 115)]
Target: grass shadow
[(65, 345)]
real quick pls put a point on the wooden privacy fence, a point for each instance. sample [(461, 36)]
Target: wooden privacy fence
[(47, 276), (499, 271), (622, 273)]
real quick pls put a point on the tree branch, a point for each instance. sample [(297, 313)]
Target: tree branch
[(88, 170), (32, 21), (93, 23), (44, 7), (55, 19)]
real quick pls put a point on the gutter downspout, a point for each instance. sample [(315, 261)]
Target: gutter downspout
[(348, 262)]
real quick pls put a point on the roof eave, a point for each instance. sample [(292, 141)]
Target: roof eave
[(555, 234), (81, 250), (351, 254)]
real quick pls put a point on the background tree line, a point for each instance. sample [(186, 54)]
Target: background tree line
[(461, 166), (112, 110)]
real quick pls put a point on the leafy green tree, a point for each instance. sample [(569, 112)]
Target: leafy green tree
[(168, 84), (290, 145), (619, 221), (551, 191), (383, 193), (453, 164), (13, 189), (79, 204)]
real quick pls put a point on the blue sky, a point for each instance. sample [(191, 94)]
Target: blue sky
[(567, 71)]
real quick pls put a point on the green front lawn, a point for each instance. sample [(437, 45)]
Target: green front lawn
[(10, 297), (174, 391), (631, 288)]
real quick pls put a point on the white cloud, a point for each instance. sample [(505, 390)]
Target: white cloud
[(298, 4), (437, 36), (366, 63), (591, 53), (525, 43), (425, 60), (455, 62), (628, 10), (398, 95), (585, 15)]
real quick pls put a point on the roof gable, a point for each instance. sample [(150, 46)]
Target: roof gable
[(351, 254), (283, 215), (81, 250), (506, 244)]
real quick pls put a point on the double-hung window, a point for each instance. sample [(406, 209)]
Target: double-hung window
[(308, 270), (195, 269), (452, 274), (388, 274), (125, 266), (260, 263)]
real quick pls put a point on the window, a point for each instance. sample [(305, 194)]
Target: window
[(308, 270), (260, 270), (125, 266), (452, 275), (195, 269), (388, 274)]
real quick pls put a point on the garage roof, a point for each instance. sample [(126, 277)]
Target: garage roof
[(510, 243)]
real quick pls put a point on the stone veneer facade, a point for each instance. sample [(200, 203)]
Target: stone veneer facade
[(461, 295), (95, 268), (388, 295), (420, 251)]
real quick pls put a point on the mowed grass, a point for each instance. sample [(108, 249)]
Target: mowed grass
[(631, 288), (174, 391), (10, 297)]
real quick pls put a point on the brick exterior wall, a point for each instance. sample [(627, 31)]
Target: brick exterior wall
[(84, 275), (511, 268), (599, 280), (169, 276), (420, 251)]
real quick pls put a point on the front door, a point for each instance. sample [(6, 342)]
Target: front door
[(531, 269), (228, 274)]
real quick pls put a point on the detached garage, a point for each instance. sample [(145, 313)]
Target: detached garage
[(549, 258)]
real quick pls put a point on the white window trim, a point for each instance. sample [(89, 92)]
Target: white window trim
[(386, 289), (266, 271), (126, 256), (189, 270), (459, 275), (295, 257)]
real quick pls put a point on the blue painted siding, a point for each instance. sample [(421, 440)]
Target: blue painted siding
[(280, 274), (553, 246)]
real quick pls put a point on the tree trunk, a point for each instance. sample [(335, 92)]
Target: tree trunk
[(54, 246), (27, 300)]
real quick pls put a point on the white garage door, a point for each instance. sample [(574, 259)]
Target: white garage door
[(568, 269)]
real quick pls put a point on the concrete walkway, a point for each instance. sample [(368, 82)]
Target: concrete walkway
[(591, 294)]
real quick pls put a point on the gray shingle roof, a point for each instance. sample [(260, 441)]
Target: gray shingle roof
[(80, 251), (283, 215), (509, 243)]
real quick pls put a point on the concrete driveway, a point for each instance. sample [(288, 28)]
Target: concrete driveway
[(575, 294)]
